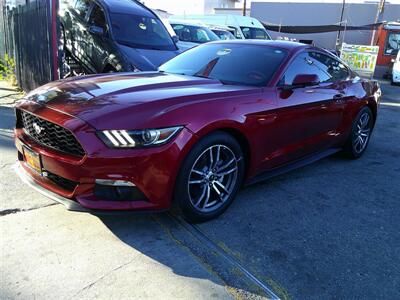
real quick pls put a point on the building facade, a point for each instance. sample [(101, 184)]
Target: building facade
[(324, 13)]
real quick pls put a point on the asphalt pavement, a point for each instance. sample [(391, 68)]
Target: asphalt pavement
[(326, 231)]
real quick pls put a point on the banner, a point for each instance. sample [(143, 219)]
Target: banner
[(360, 58), (304, 29)]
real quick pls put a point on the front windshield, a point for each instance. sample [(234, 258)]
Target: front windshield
[(140, 32), (194, 34), (224, 34), (255, 33), (238, 64)]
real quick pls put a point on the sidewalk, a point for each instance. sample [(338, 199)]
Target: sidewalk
[(49, 252), (9, 94)]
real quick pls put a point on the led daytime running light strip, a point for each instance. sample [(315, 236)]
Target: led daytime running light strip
[(119, 138)]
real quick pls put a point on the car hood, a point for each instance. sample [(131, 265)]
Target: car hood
[(130, 100), (147, 59)]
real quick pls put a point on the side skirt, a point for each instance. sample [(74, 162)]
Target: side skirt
[(309, 159)]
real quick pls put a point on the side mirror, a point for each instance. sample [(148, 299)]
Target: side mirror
[(175, 39), (302, 80), (97, 30)]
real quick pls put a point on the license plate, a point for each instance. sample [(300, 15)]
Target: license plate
[(32, 159)]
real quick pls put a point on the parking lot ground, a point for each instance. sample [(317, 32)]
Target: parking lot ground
[(328, 230)]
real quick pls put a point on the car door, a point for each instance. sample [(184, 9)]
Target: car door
[(308, 117), (79, 31), (99, 43)]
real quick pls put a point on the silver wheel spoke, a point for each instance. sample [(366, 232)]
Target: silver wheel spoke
[(227, 172), (202, 195), (218, 155), (227, 164), (357, 141), (222, 186), (216, 189), (195, 181), (208, 196), (197, 172)]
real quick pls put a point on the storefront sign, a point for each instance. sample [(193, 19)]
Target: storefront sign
[(360, 58)]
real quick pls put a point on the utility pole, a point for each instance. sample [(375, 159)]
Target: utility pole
[(379, 11), (244, 7), (340, 24)]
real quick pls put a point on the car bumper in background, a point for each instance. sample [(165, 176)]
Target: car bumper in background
[(396, 76)]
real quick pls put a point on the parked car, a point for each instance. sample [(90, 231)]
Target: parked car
[(182, 46), (243, 27), (192, 34), (396, 70), (115, 35), (223, 32), (215, 117)]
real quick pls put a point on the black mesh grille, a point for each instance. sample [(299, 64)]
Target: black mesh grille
[(50, 134), (62, 182)]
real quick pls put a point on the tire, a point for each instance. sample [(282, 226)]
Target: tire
[(360, 135), (205, 188)]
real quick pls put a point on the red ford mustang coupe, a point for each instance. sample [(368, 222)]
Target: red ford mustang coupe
[(211, 119)]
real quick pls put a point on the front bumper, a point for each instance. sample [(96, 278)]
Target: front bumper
[(396, 76), (152, 171), (69, 204)]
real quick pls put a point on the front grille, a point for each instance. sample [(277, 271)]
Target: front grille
[(50, 134), (64, 183)]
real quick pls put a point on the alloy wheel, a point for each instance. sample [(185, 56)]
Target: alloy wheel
[(362, 133), (212, 178)]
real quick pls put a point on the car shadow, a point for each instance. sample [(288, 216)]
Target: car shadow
[(154, 236), (148, 233)]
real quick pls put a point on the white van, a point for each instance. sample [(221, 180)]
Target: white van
[(396, 70), (243, 27)]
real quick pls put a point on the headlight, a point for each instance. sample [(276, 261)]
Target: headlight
[(138, 138)]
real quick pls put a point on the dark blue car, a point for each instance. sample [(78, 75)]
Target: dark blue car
[(115, 35)]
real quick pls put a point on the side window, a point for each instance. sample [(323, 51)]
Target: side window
[(98, 18), (334, 68), (235, 32), (319, 62), (302, 64), (82, 7)]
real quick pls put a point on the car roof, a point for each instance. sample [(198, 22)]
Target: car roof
[(187, 22), (290, 46), (127, 7)]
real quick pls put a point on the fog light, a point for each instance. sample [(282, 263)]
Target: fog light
[(117, 190)]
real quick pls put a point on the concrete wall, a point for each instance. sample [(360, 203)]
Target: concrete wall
[(193, 7), (209, 5), (231, 11), (323, 14)]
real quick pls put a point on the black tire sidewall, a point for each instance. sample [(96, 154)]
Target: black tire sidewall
[(182, 201)]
